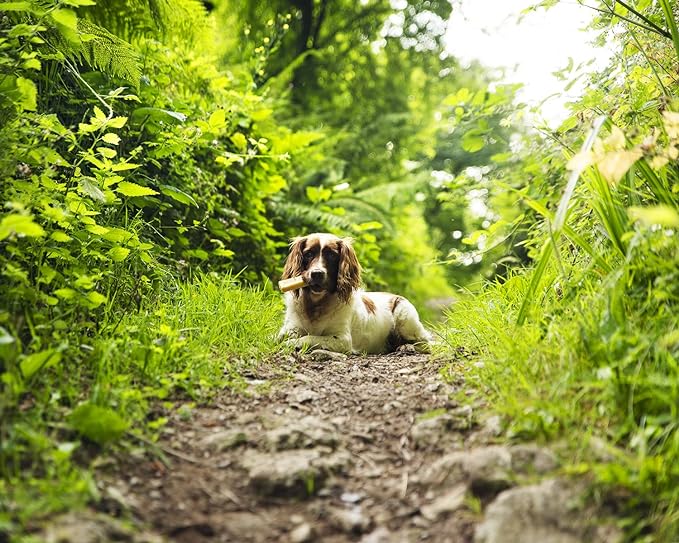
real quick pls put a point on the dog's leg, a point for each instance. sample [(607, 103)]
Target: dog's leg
[(408, 326), (335, 343)]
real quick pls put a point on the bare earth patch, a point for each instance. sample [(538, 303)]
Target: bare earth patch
[(334, 448)]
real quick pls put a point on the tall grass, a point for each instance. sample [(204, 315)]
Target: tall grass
[(583, 347), (194, 339)]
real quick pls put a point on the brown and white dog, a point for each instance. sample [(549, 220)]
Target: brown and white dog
[(332, 312)]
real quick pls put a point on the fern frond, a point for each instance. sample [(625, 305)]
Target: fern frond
[(300, 215), (135, 18), (395, 192), (101, 50), (361, 210)]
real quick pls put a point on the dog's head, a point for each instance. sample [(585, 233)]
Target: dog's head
[(327, 263)]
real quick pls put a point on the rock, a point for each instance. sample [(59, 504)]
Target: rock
[(350, 521), (242, 526), (428, 431), (530, 458), (303, 533), (379, 535), (298, 473), (306, 432), (288, 473), (446, 503), (489, 470), (86, 527), (549, 512), (224, 440), (302, 395), (486, 469), (492, 426), (321, 355), (351, 497)]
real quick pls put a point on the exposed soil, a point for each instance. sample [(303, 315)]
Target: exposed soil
[(324, 448)]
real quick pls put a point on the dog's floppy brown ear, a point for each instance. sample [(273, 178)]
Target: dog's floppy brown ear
[(294, 264), (349, 273)]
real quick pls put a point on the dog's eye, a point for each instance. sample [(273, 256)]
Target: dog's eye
[(331, 256), (308, 255)]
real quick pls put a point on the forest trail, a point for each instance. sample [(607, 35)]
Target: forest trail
[(333, 448)]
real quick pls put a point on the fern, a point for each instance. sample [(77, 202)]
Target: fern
[(301, 215), (103, 51), (136, 18), (361, 210)]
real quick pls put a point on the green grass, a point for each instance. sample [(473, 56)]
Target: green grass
[(594, 363), (193, 341)]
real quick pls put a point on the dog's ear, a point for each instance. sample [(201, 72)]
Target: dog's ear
[(294, 264), (349, 273)]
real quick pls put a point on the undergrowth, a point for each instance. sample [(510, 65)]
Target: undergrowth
[(100, 394)]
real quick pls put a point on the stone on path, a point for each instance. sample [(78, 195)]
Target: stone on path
[(549, 512), (298, 473), (303, 433), (88, 527)]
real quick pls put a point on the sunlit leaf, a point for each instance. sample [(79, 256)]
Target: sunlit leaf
[(100, 424), (663, 215), (118, 253), (31, 364), (615, 164), (126, 188), (20, 225)]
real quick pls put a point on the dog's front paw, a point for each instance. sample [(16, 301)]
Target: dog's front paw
[(296, 343)]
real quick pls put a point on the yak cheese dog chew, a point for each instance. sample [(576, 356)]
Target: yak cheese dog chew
[(291, 284)]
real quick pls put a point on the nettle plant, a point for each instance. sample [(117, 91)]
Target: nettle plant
[(106, 190), (70, 236)]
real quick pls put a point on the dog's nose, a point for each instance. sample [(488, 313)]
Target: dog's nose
[(317, 275)]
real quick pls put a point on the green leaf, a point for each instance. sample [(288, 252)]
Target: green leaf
[(31, 64), (65, 18), (21, 225), (240, 141), (28, 94), (15, 6), (371, 225), (78, 3), (5, 337), (100, 424), (67, 23), (65, 293), (123, 166), (118, 253), (663, 215), (31, 364), (90, 189), (132, 189), (95, 299), (158, 114), (107, 152), (318, 194), (118, 235), (472, 142), (60, 236), (178, 195), (113, 139), (217, 119), (117, 122)]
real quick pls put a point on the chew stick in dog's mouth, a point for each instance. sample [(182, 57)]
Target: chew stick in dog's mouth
[(291, 284)]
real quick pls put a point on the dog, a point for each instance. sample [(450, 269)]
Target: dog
[(331, 311)]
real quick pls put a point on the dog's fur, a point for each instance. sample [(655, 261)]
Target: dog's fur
[(332, 312)]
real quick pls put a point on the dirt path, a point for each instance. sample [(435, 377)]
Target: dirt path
[(330, 448)]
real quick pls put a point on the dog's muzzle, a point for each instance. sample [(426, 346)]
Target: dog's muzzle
[(317, 280)]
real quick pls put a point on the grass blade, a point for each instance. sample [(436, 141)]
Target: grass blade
[(560, 217), (671, 23)]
